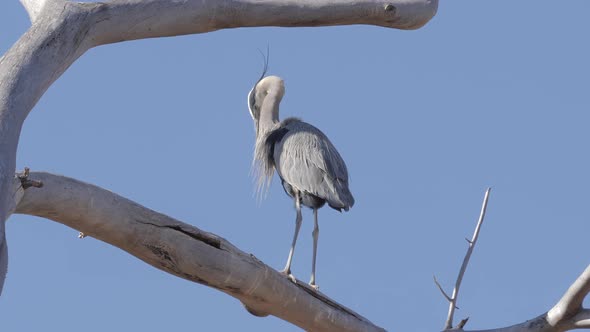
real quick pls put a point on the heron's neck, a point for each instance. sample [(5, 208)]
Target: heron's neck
[(269, 116)]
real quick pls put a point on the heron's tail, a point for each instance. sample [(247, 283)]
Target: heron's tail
[(342, 198)]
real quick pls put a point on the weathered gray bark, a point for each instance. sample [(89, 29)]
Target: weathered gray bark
[(185, 251), (61, 31)]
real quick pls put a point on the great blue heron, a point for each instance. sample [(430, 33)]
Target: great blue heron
[(311, 169)]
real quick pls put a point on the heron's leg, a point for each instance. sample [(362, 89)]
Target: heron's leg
[(315, 234), (298, 220)]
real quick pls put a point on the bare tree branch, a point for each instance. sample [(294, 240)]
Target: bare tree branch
[(187, 252), (120, 20), (472, 242)]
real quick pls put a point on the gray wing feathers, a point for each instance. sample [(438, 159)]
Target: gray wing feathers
[(307, 160)]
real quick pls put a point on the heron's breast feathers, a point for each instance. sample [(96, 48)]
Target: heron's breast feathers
[(263, 163)]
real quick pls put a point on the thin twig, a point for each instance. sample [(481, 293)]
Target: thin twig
[(453, 301), (26, 182), (462, 323), (441, 289)]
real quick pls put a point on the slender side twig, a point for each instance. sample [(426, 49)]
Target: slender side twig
[(462, 323), (453, 301), (442, 290), (26, 182)]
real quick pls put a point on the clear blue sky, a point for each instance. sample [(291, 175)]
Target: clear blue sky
[(489, 93)]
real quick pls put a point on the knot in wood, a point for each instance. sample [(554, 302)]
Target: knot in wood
[(390, 8)]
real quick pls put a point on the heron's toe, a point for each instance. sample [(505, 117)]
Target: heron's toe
[(288, 274), (314, 286)]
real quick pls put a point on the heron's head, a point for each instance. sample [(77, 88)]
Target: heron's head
[(265, 96)]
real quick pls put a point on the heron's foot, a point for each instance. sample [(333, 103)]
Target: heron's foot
[(287, 272), (314, 286)]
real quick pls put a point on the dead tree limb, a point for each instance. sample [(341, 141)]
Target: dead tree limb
[(453, 298), (185, 251)]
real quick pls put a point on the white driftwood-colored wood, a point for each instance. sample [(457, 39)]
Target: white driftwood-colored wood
[(62, 30), (186, 251), (119, 21), (453, 298), (196, 255)]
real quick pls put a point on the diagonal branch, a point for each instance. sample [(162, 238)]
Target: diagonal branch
[(453, 302), (187, 252)]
